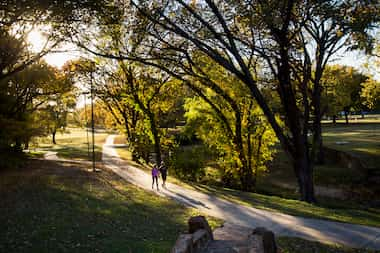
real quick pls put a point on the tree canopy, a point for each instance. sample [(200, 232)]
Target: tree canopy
[(286, 42), (270, 54)]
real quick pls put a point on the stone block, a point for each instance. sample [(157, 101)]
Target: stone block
[(200, 239), (263, 241), (255, 244), (199, 222), (184, 244)]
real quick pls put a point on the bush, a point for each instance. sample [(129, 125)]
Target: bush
[(188, 163)]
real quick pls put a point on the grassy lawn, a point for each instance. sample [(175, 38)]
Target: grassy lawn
[(297, 245), (363, 140), (73, 144), (60, 207)]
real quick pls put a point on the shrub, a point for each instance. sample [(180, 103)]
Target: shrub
[(188, 163)]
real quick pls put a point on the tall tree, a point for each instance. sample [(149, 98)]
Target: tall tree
[(150, 94), (370, 93), (22, 95), (56, 112), (331, 27), (342, 85), (234, 35), (232, 110)]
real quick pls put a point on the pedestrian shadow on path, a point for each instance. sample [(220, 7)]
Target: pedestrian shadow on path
[(187, 200)]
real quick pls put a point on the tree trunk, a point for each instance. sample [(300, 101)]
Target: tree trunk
[(303, 168), (249, 156), (53, 136), (246, 178), (246, 175), (156, 137), (317, 149), (258, 152), (298, 149), (17, 146), (334, 119), (27, 144), (319, 155), (346, 115)]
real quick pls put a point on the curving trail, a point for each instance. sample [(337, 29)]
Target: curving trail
[(351, 235)]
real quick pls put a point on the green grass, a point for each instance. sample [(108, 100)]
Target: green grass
[(327, 209), (60, 207), (72, 144), (297, 245), (363, 140)]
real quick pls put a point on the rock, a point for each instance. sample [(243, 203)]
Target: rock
[(255, 244), (263, 238), (201, 239), (199, 222), (184, 244)]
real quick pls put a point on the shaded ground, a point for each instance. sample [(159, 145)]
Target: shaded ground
[(60, 207)]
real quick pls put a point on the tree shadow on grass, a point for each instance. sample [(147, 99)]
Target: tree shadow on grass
[(83, 212)]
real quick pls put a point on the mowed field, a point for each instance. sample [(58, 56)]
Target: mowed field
[(72, 144), (358, 139)]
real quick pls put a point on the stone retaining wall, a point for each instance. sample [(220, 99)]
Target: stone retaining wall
[(199, 236), (200, 240)]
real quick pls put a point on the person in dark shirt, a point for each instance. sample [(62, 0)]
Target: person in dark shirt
[(164, 173)]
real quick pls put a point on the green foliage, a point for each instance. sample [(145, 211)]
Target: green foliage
[(32, 100), (143, 103), (342, 87), (81, 117), (370, 93), (211, 131), (57, 20), (188, 163)]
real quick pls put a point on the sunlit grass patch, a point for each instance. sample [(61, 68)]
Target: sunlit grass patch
[(73, 144), (297, 245), (360, 139)]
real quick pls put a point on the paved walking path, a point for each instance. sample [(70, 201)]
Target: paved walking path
[(352, 235)]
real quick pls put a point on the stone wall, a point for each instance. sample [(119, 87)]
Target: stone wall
[(199, 239)]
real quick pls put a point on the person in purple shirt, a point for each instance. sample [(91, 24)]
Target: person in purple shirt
[(155, 174)]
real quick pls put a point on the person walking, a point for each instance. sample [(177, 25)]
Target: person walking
[(155, 174), (164, 173)]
